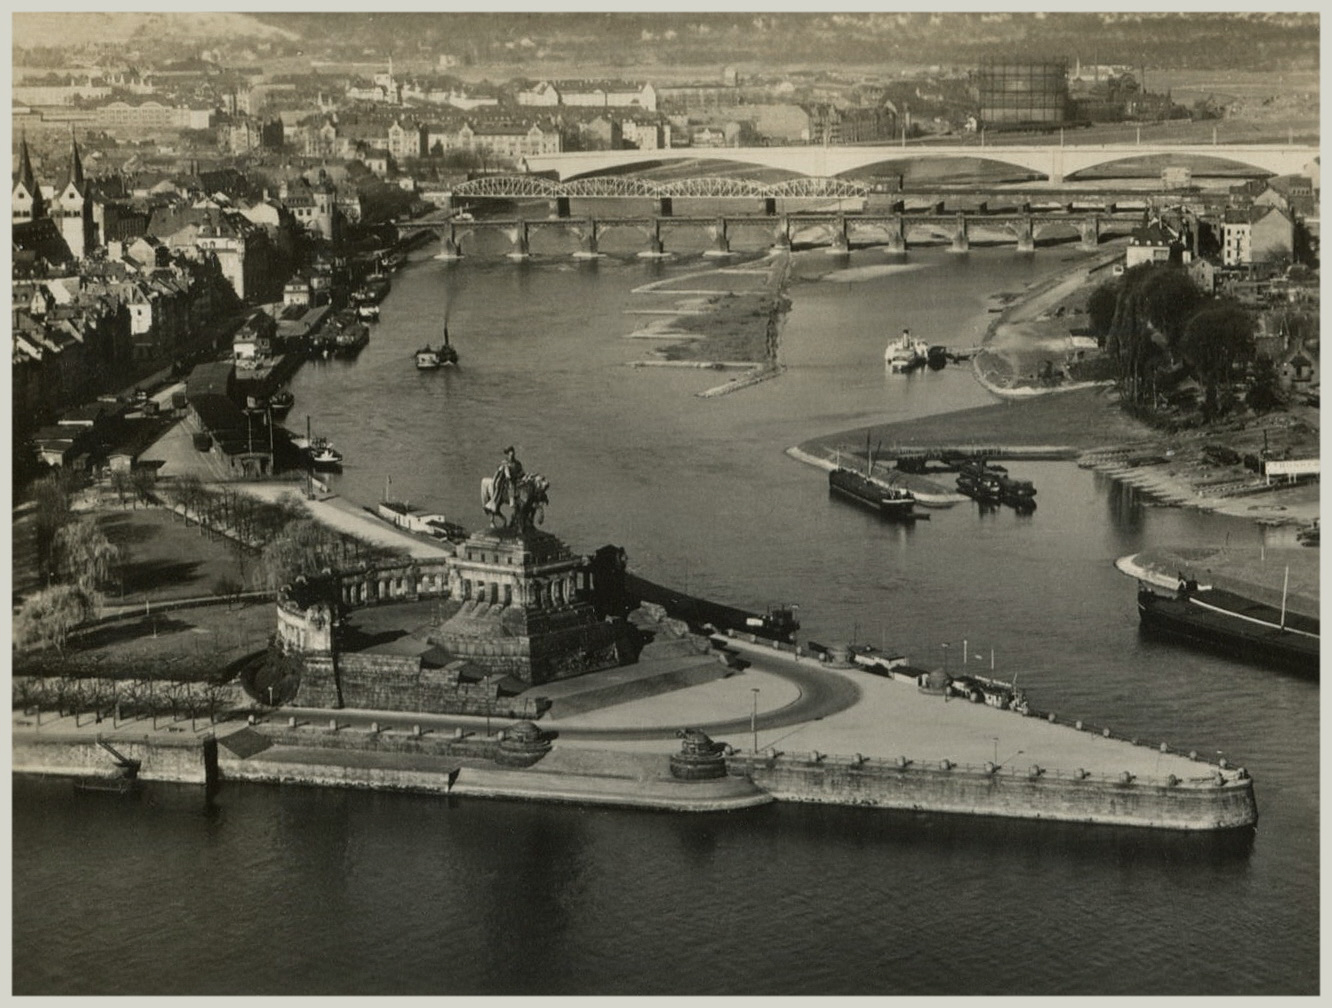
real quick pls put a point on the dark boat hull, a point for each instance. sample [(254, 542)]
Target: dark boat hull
[(1220, 621), (859, 490)]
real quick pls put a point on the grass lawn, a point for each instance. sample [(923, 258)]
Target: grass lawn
[(186, 644), (163, 558)]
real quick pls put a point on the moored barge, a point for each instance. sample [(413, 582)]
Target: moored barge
[(1221, 620)]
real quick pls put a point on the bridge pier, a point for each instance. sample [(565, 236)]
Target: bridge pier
[(1026, 235), (770, 206), (451, 250), (937, 208), (722, 238), (519, 237), (1090, 229), (588, 235), (781, 237), (562, 206), (666, 206), (841, 244), (961, 241), (897, 234), (656, 247)]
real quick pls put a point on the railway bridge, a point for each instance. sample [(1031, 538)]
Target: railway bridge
[(839, 230)]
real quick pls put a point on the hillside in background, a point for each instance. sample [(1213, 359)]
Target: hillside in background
[(1233, 41), (635, 41)]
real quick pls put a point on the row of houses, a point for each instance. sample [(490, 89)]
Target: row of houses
[(73, 333)]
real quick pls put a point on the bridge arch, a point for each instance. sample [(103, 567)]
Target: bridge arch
[(1053, 161)]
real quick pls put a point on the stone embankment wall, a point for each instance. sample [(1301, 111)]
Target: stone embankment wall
[(359, 740), (67, 754), (401, 683), (1217, 802)]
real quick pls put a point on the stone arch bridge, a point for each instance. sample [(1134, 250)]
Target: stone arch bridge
[(1056, 162)]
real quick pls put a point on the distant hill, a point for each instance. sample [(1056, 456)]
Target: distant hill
[(90, 28), (1257, 41), (641, 44)]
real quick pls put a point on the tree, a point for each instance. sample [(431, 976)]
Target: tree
[(143, 480), (1101, 308), (84, 555), (47, 618), (187, 492), (1264, 393), (1215, 343), (121, 484), (51, 499), (1170, 298)]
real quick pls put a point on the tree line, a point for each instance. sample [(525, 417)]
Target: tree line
[(1161, 332), (272, 542)]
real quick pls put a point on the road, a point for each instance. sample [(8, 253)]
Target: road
[(822, 693)]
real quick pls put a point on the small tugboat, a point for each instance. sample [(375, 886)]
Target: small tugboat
[(323, 456), (1020, 495), (318, 450), (905, 354), (350, 335), (890, 502), (979, 481), (281, 402), (937, 357), (429, 358)]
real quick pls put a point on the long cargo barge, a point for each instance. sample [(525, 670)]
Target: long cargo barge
[(888, 502), (1222, 620)]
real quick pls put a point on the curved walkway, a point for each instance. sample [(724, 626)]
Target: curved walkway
[(822, 693)]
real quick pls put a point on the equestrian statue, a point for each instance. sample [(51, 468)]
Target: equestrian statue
[(524, 492)]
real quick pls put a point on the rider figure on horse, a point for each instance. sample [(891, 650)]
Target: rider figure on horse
[(508, 474), (503, 488)]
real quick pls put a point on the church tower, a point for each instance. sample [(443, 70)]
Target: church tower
[(72, 208), (28, 202)]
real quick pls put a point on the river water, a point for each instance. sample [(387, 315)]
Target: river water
[(289, 890)]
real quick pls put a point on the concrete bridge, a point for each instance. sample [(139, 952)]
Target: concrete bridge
[(1056, 162), (839, 230)]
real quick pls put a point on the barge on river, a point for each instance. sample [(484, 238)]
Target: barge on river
[(892, 503), (1223, 621)]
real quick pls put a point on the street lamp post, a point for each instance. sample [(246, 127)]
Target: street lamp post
[(753, 718)]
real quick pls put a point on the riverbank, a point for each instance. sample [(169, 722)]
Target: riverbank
[(1085, 421), (729, 314), (1270, 576), (940, 758)]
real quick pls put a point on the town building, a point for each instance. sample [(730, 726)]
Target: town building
[(1256, 234), (593, 94), (1157, 242)]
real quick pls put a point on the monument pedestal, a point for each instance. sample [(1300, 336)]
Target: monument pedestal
[(527, 610)]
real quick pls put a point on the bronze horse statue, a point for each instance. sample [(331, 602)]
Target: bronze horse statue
[(527, 496)]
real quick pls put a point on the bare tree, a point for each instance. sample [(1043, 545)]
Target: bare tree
[(121, 483), (144, 481)]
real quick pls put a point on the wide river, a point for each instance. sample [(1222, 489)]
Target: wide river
[(290, 890)]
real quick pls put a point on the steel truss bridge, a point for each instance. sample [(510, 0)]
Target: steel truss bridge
[(538, 186)]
